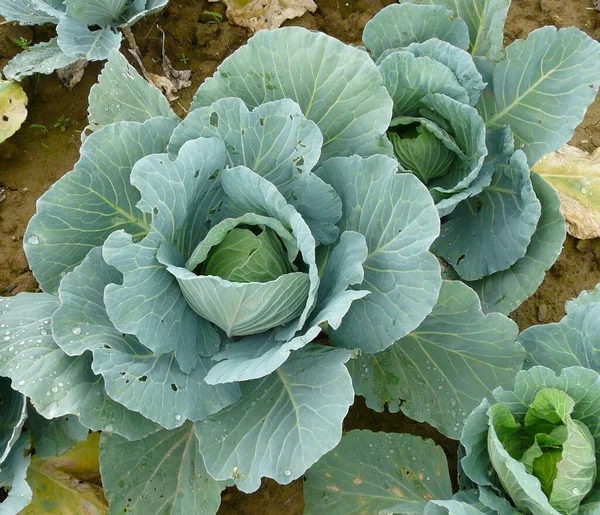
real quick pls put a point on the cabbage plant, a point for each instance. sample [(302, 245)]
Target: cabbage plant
[(470, 118), (192, 270), (87, 29)]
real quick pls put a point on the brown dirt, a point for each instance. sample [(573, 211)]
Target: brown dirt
[(32, 161)]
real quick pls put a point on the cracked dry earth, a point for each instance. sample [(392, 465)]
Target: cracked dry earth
[(31, 161)]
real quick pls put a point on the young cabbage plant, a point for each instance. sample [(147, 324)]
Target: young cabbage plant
[(86, 29), (188, 268)]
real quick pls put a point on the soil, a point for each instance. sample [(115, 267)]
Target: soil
[(35, 158)]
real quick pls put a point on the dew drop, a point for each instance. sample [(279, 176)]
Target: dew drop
[(576, 491), (177, 417), (33, 240), (21, 382), (288, 473), (76, 330)]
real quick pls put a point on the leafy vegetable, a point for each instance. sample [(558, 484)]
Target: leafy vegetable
[(87, 29), (185, 285)]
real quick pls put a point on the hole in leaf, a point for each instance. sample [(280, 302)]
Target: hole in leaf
[(174, 387), (478, 204), (214, 119), (155, 210), (143, 379), (262, 122), (460, 259), (4, 118)]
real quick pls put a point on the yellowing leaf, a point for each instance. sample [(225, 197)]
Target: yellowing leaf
[(266, 14), (12, 108), (575, 175), (68, 484)]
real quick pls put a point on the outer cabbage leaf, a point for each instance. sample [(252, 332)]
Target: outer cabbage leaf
[(485, 20), (137, 478), (123, 95), (529, 93), (377, 473), (55, 436), (148, 303), (505, 291), (57, 384), (398, 26), (336, 86), (14, 413), (41, 58), (585, 298), (13, 474), (13, 108), (153, 385), (283, 423), (95, 12), (439, 372), (29, 12), (134, 14), (401, 274), (87, 204), (489, 232), (76, 39), (575, 340)]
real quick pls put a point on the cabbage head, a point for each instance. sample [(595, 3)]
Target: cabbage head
[(191, 270), (87, 29)]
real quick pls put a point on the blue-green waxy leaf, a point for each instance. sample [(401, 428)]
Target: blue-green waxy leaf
[(85, 206), (41, 58), (258, 356), (123, 95), (140, 9), (377, 473), (409, 79), (149, 304), (491, 231), (544, 86), (138, 479), (505, 291), (457, 60), (336, 86), (396, 215), (29, 12), (574, 341), (76, 39), (584, 298), (153, 385), (485, 21), (277, 142), (397, 26), (56, 383), (55, 436), (451, 507), (440, 371), (14, 413), (13, 473), (283, 423), (96, 12)]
